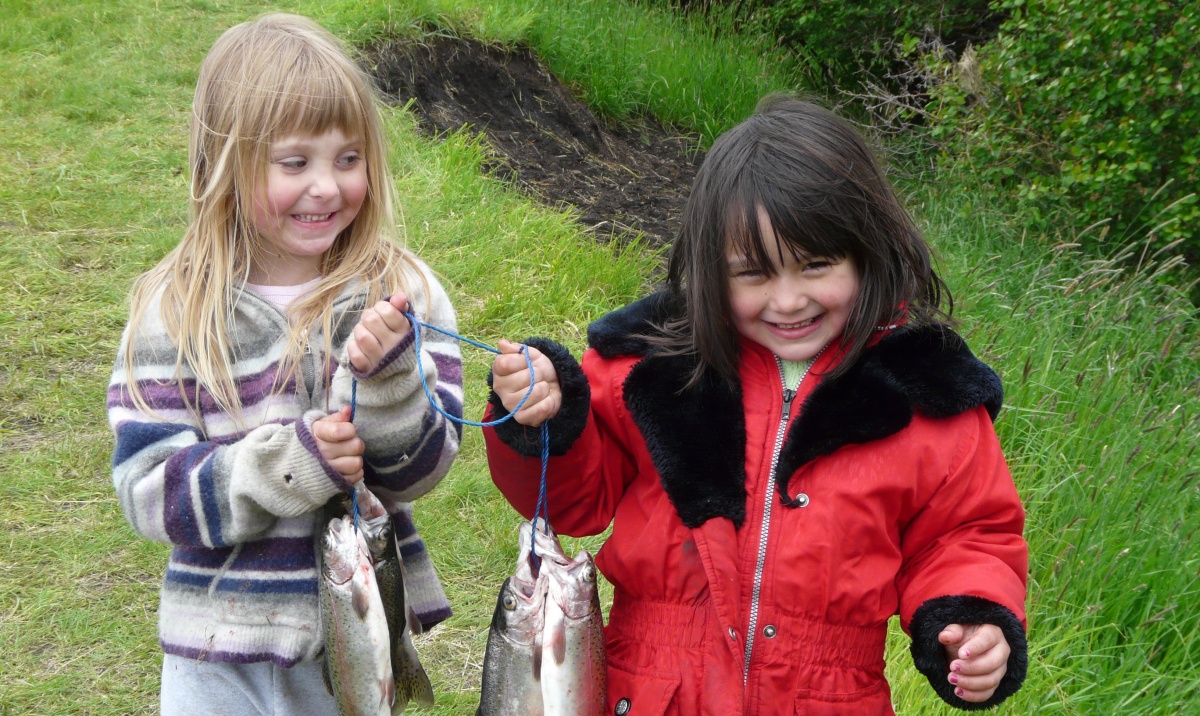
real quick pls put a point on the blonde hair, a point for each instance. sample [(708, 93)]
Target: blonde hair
[(263, 80)]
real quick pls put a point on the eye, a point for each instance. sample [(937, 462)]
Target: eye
[(293, 163), (510, 602), (349, 160), (817, 265)]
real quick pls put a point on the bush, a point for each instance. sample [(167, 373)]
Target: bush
[(1087, 109)]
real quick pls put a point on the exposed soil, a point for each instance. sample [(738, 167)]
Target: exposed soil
[(619, 180)]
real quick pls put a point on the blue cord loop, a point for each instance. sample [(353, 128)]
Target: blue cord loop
[(542, 510)]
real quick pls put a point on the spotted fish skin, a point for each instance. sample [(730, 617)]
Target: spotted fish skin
[(357, 654), (411, 680), (545, 653)]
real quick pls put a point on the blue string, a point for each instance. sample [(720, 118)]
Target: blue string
[(542, 510)]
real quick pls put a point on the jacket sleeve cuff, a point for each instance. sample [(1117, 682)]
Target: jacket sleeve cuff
[(567, 426), (929, 655)]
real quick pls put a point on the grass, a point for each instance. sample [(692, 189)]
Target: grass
[(1099, 362)]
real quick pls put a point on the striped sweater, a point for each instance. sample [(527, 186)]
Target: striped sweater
[(240, 502)]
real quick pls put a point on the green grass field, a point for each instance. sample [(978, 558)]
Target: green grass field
[(1099, 362)]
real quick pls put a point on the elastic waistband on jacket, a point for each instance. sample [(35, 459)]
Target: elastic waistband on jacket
[(797, 639)]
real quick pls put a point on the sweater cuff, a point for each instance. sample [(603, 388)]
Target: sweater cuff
[(565, 427), (929, 655), (400, 359), (320, 481)]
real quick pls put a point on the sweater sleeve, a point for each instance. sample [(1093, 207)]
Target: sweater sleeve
[(410, 445), (965, 560), (176, 486)]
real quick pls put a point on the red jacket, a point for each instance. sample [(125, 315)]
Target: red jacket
[(750, 584)]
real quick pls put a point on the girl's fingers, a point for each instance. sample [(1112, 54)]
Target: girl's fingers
[(982, 640)]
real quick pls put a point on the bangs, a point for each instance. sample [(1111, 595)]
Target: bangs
[(802, 220), (316, 95)]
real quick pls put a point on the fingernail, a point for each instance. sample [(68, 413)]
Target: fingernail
[(956, 666), (954, 678), (966, 653), (959, 693)]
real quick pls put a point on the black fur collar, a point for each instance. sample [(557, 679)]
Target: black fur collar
[(696, 437)]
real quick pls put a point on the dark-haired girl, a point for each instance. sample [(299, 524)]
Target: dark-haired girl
[(791, 446)]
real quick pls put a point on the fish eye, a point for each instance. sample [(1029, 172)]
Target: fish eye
[(589, 574), (510, 602)]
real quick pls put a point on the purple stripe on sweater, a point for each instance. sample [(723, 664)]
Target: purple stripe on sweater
[(453, 405), (269, 585), (179, 518), (202, 557), (132, 436), (190, 579), (449, 368), (419, 466), (227, 657), (276, 554), (403, 525), (207, 484), (408, 551), (251, 390), (433, 617)]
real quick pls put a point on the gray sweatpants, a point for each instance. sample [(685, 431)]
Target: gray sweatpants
[(191, 687)]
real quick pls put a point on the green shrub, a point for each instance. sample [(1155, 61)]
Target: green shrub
[(1086, 109)]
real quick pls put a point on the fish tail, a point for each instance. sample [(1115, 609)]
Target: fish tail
[(412, 686)]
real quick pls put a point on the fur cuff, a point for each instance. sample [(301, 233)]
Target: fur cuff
[(568, 425), (929, 655)]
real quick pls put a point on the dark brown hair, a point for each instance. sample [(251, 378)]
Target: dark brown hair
[(825, 195)]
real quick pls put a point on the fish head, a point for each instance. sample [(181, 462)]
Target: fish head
[(573, 586), (518, 616), (340, 550)]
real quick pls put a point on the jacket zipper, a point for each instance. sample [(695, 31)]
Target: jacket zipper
[(309, 372), (788, 396)]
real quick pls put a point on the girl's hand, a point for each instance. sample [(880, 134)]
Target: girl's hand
[(338, 442), (978, 659), (379, 330), (510, 380)]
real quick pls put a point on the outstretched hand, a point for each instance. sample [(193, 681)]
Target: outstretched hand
[(977, 655), (510, 381), (338, 442), (379, 330)]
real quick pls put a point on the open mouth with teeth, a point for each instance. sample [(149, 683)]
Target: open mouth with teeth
[(800, 324), (311, 218)]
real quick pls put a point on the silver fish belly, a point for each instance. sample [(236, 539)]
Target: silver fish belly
[(573, 666), (411, 680), (357, 653), (545, 652), (512, 662)]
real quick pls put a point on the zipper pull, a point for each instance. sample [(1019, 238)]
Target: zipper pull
[(788, 396)]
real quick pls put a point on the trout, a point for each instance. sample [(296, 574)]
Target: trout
[(357, 656), (545, 651), (412, 682)]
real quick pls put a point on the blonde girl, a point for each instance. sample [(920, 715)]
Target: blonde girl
[(267, 367)]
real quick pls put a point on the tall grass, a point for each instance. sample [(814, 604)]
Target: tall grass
[(1098, 359)]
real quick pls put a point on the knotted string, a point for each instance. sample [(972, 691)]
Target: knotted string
[(542, 510)]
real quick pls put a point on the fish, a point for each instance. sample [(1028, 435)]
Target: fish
[(357, 655), (411, 679), (545, 650), (573, 666), (512, 661)]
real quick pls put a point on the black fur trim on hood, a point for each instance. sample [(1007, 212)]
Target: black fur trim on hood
[(566, 427), (928, 369), (696, 437), (929, 655), (620, 333)]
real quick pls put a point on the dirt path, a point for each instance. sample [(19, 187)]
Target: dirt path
[(549, 141)]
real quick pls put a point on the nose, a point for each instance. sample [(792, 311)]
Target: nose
[(323, 184), (787, 294)]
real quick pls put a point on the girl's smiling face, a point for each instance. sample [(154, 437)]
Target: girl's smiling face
[(315, 186), (799, 307)]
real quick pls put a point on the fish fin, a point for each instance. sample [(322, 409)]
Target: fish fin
[(557, 640), (414, 622), (388, 691), (537, 658), (414, 686), (360, 597)]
